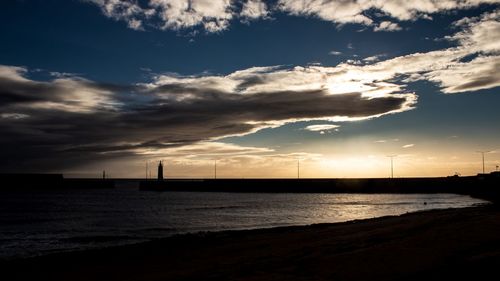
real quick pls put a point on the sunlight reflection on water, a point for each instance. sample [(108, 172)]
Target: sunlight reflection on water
[(40, 222)]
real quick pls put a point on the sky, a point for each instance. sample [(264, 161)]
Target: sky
[(254, 86)]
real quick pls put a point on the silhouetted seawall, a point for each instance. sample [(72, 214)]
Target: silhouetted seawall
[(89, 183), (31, 181), (50, 181), (484, 186)]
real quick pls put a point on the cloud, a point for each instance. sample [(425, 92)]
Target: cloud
[(216, 15), (83, 121), (62, 74), (374, 58), (135, 24), (254, 9), (355, 11), (386, 141), (13, 73), (408, 145), (246, 165), (335, 11), (387, 26), (449, 68), (128, 11), (205, 150), (13, 116), (335, 53), (322, 128), (213, 15), (64, 94), (479, 38)]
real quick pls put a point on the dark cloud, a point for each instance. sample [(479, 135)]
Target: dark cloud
[(74, 122), (12, 91)]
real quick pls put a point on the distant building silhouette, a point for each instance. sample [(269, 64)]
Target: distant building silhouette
[(160, 171)]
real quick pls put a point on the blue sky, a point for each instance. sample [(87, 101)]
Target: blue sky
[(112, 84)]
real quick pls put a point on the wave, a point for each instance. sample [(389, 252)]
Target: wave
[(213, 208), (99, 239)]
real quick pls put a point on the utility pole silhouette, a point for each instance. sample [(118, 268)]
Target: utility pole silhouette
[(482, 154), (146, 169), (103, 174), (215, 169), (392, 164), (298, 168)]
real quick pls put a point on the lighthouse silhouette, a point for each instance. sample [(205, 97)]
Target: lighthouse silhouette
[(160, 171)]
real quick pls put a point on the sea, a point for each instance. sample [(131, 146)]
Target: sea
[(41, 222)]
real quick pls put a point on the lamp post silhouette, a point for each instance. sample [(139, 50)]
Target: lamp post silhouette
[(215, 169), (392, 164), (482, 154), (298, 168)]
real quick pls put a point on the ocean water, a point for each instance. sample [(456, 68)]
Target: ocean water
[(37, 223)]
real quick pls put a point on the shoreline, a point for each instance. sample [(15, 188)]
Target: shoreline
[(423, 242)]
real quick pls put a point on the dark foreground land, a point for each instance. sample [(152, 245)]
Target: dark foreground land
[(454, 244)]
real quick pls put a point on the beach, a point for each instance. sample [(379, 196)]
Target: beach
[(453, 243)]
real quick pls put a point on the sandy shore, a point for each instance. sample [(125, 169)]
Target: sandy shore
[(434, 245)]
